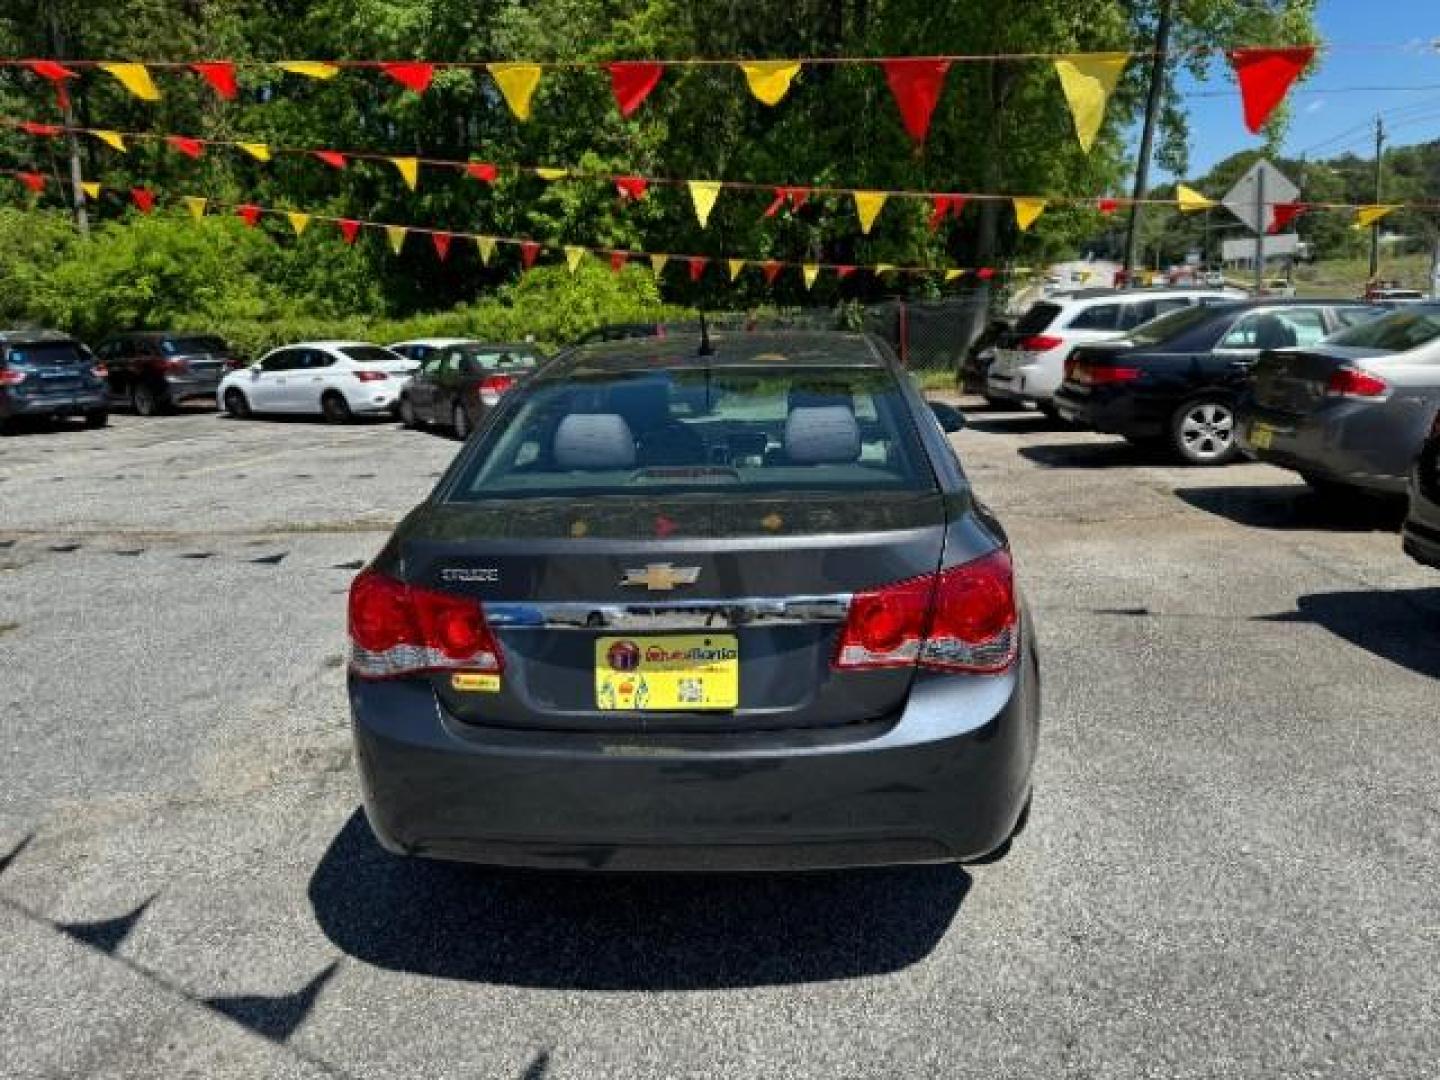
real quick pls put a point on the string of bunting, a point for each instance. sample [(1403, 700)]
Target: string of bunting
[(146, 200), (1087, 79), (704, 194)]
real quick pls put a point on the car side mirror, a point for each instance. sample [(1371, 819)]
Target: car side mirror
[(951, 419), (255, 372)]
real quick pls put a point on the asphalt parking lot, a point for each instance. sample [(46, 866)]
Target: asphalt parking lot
[(1230, 869)]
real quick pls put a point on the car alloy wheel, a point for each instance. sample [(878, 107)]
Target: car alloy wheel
[(407, 413), (335, 408), (144, 400), (1204, 432), (235, 404), (460, 420)]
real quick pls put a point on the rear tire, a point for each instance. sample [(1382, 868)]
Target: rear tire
[(236, 404), (1202, 432), (335, 408), (460, 421), (147, 401), (97, 418), (408, 419)]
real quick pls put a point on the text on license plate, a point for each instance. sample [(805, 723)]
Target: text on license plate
[(682, 672), (1261, 436)]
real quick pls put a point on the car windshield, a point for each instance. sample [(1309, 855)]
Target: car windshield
[(43, 354), (187, 346), (1399, 331), (1169, 326), (369, 354), (696, 430), (497, 358), (1038, 318)]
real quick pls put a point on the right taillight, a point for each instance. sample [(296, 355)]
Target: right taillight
[(11, 377), (1351, 382), (494, 387), (399, 630), (1040, 343), (963, 619)]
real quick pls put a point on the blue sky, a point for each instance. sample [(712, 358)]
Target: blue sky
[(1330, 114)]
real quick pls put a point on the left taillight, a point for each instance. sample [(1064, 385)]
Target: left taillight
[(963, 619), (11, 377), (494, 387), (399, 630), (371, 376), (1351, 382)]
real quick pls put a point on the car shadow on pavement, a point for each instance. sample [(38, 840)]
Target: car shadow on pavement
[(1018, 423), (1400, 625), (625, 932), (1089, 455), (1294, 506)]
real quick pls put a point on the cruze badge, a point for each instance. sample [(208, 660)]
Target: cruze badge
[(484, 575), (661, 577)]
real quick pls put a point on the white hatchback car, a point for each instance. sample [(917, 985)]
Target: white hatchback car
[(334, 379), (1029, 361)]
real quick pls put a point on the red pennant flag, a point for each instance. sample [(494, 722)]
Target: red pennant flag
[(349, 229), (333, 158), (632, 187), (1266, 75), (1108, 206), (945, 206), (617, 261), (189, 147), (33, 180), (842, 272), (985, 273), (482, 170), (30, 127), (1283, 214), (528, 250), (49, 69), (441, 240), (771, 270), (697, 267), (632, 81), (249, 213), (144, 199), (220, 74), (795, 196), (916, 84), (412, 76)]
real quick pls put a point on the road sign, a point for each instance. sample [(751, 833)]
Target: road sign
[(1282, 246), (1253, 203)]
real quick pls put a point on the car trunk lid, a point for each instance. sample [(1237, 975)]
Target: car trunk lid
[(1294, 381)]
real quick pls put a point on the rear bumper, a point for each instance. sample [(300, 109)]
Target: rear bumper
[(1357, 443), (1422, 543), (938, 784), (59, 404), (177, 389), (1125, 414)]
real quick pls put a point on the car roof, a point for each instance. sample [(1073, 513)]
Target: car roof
[(793, 348), (1137, 294), (160, 334), (435, 342), (1288, 301), (328, 345), (32, 337)]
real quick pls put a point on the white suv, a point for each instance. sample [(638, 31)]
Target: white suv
[(1029, 361)]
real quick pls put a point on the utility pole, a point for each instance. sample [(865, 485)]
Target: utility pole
[(1260, 235), (1375, 227), (77, 175), (1147, 138)]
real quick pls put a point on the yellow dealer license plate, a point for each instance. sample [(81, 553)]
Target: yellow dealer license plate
[(1261, 436), (697, 671)]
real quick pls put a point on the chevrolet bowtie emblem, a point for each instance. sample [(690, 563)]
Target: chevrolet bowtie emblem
[(661, 577)]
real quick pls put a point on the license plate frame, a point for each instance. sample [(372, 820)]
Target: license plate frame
[(667, 673)]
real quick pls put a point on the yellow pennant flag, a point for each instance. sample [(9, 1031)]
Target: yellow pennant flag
[(952, 274), (517, 83), (196, 205), (258, 150), (298, 221), (551, 174), (311, 69), (486, 244), (111, 138), (883, 268), (810, 271), (1088, 80), (704, 193), (1365, 216), (91, 188), (136, 79), (868, 205), (1191, 200), (736, 266), (1027, 210), (770, 79), (396, 233), (409, 168), (573, 255), (657, 264)]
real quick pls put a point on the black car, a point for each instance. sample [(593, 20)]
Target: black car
[(698, 603), (1176, 379), (1422, 524), (157, 370), (45, 374), (457, 386)]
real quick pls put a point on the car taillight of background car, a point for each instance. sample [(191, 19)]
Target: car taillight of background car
[(11, 377), (371, 376), (494, 387), (1040, 343), (1349, 382)]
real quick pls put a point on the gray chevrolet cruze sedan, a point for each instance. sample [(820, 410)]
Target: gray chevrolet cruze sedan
[(699, 604)]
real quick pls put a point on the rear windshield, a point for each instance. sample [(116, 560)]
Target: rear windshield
[(670, 431), (503, 358), (1399, 331), (370, 354), (1038, 318), (43, 354), (188, 346), (1170, 326)]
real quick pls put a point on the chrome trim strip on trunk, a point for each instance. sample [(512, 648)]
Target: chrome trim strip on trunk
[(670, 614)]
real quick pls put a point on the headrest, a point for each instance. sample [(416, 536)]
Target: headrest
[(594, 441), (822, 435)]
